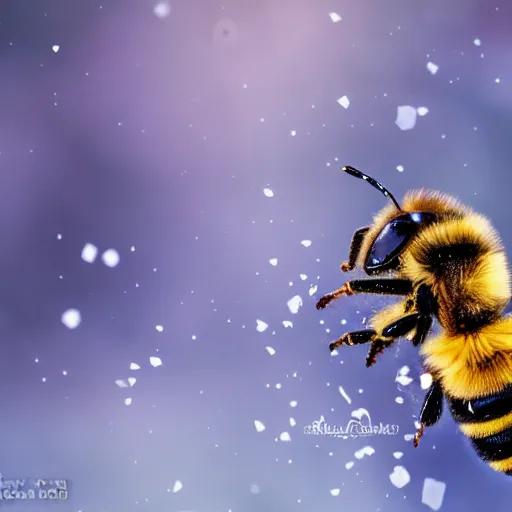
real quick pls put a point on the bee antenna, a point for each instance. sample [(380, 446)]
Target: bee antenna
[(374, 183)]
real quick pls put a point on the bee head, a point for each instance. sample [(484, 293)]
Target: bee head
[(383, 253)]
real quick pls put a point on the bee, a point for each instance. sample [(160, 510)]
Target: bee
[(445, 262)]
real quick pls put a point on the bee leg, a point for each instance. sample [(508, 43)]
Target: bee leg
[(355, 248), (353, 338), (431, 410), (401, 327), (381, 286), (389, 334), (426, 305), (359, 338), (378, 346)]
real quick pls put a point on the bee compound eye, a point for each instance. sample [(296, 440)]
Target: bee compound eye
[(390, 241)]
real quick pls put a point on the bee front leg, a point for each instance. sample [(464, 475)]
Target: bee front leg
[(380, 286), (355, 248), (431, 410)]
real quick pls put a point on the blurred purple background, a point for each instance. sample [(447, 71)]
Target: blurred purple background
[(160, 130)]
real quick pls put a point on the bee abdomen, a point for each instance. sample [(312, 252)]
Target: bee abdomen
[(487, 422)]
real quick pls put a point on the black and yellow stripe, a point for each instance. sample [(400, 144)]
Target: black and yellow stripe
[(487, 422)]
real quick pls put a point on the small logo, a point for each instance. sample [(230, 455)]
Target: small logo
[(33, 488), (360, 426)]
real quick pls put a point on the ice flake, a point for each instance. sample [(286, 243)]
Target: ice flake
[(425, 380), (268, 192), (400, 477), (335, 492), (405, 117), (349, 465), (432, 68), (285, 436), (273, 261), (127, 401), (398, 455), (55, 48), (177, 486), (255, 489), (122, 383), (293, 133), (422, 111), (294, 304), (312, 290), (155, 361), (408, 437), (400, 168), (399, 400), (404, 370), (134, 366), (270, 350), (132, 381), (344, 395), (89, 253), (433, 493), (71, 318), (401, 376), (287, 323), (477, 42), (292, 422), (159, 328), (261, 326), (359, 413), (306, 243), (110, 258), (366, 450), (162, 9), (343, 101), (259, 426), (303, 277), (293, 403)]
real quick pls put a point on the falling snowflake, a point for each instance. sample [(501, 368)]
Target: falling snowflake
[(344, 102), (89, 253), (294, 304), (260, 427), (432, 68), (155, 361), (344, 395), (433, 493), (400, 477), (162, 9), (261, 326), (405, 117), (71, 318), (285, 437), (110, 258)]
